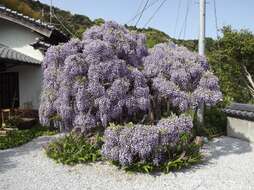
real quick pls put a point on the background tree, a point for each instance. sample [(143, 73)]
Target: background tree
[(233, 61)]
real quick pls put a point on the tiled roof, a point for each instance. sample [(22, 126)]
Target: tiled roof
[(36, 25), (12, 55), (244, 111)]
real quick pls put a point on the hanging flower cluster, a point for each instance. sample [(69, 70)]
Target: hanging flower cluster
[(181, 77), (91, 82), (110, 76), (145, 143)]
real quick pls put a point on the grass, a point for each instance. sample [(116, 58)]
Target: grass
[(19, 137), (74, 149)]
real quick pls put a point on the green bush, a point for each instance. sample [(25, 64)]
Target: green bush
[(215, 121), (19, 137), (14, 121), (74, 149)]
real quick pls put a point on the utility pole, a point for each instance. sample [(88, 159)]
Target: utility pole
[(202, 15), (42, 15), (201, 48), (50, 13)]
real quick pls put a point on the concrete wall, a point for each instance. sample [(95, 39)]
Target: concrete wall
[(239, 128), (18, 38), (30, 79)]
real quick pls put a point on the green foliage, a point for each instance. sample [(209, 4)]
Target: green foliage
[(19, 137), (153, 36), (184, 155), (215, 119), (74, 149), (77, 24), (99, 21), (190, 44), (233, 50), (21, 6), (13, 122)]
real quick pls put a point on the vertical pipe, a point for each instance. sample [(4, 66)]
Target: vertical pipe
[(201, 48), (50, 13), (201, 42)]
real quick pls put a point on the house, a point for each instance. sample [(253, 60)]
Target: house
[(23, 42)]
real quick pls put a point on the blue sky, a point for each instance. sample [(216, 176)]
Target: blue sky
[(237, 13)]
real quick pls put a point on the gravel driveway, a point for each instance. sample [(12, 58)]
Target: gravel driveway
[(230, 165)]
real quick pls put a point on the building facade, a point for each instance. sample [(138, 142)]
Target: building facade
[(23, 42)]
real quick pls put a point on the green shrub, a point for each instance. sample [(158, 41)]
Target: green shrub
[(74, 149), (215, 121), (14, 121), (19, 137)]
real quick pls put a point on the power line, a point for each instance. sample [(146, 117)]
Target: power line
[(139, 7), (155, 12), (142, 12), (216, 19), (147, 7), (186, 17), (177, 15), (185, 20), (62, 24)]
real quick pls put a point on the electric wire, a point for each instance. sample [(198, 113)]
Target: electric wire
[(177, 15), (62, 24), (186, 17), (142, 12), (183, 29), (147, 7), (139, 7), (155, 12), (216, 18)]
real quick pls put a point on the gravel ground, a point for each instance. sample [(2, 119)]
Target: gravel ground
[(230, 165)]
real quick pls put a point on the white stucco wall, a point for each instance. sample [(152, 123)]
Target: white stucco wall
[(240, 128), (30, 79), (18, 38)]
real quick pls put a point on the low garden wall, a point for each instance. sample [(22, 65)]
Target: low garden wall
[(240, 121)]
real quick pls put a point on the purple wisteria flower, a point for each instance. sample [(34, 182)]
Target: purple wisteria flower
[(110, 76), (91, 81), (133, 143), (181, 76)]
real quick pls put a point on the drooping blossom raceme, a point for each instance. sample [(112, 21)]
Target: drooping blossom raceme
[(208, 91), (52, 68), (127, 45), (109, 76), (133, 143), (91, 82), (181, 77)]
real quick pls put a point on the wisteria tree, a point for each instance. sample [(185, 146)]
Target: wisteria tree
[(110, 76), (91, 82)]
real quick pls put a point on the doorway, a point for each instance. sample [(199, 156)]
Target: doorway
[(9, 90)]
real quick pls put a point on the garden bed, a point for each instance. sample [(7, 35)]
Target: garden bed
[(15, 138), (143, 101)]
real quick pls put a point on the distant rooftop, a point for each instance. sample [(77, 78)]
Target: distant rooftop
[(53, 34), (10, 55)]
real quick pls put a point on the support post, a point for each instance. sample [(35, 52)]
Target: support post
[(201, 48)]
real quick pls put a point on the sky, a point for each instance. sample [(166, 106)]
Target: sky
[(182, 22)]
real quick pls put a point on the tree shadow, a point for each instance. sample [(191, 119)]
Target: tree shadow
[(215, 149), (224, 146), (9, 157)]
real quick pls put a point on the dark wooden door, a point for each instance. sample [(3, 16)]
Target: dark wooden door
[(9, 90)]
